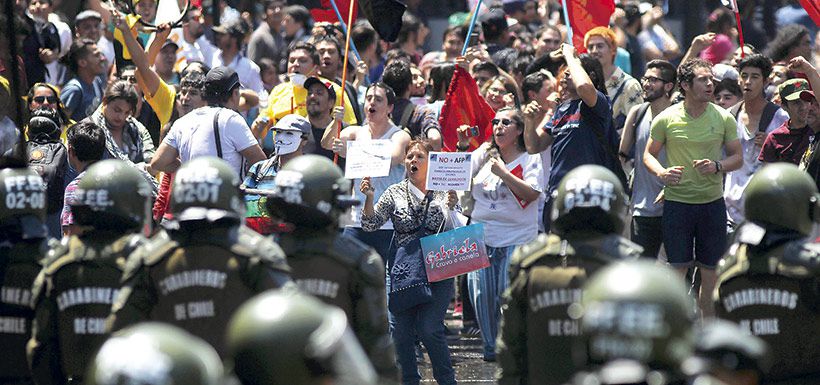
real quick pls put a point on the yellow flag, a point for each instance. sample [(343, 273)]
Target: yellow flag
[(131, 20)]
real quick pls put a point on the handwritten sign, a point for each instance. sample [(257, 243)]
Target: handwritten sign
[(368, 158), (455, 252), (449, 171)]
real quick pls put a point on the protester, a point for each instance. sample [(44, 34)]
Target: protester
[(505, 186), (658, 84), (789, 142), (417, 306), (694, 212)]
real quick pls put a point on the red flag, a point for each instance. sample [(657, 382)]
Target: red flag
[(585, 15), (813, 8), (326, 13), (464, 105)]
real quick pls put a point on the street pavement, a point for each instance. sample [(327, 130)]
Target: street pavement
[(466, 354)]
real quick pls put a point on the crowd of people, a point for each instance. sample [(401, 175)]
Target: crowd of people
[(226, 134)]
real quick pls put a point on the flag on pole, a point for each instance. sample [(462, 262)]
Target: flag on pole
[(384, 16), (584, 15), (813, 8), (464, 105), (731, 4), (326, 13)]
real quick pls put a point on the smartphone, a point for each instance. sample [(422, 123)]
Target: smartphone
[(473, 39), (472, 131)]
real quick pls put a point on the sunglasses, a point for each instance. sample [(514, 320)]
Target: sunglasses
[(44, 99), (129, 78), (505, 122)]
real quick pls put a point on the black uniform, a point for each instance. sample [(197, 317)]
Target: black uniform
[(773, 292), (196, 279), (72, 298), (546, 276), (344, 272), (19, 265)]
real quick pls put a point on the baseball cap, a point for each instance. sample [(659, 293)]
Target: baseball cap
[(331, 93), (220, 81), (87, 14), (170, 42), (494, 21), (794, 89), (293, 122), (233, 27)]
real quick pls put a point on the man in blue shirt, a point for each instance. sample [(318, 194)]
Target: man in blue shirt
[(82, 94), (580, 129)]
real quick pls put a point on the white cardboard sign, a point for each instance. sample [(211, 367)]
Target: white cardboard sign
[(449, 171), (368, 158)]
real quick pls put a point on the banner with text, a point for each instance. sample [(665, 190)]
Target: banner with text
[(449, 171), (455, 252), (368, 158)]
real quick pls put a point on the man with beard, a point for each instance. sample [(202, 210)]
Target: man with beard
[(320, 101), (658, 85), (193, 45), (330, 64)]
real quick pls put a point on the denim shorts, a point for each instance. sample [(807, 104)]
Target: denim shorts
[(694, 233)]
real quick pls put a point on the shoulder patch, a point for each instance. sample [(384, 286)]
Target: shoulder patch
[(59, 257), (252, 245), (153, 249), (350, 251), (543, 246), (800, 259)]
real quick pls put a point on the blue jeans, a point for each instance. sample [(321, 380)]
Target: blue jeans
[(379, 240), (425, 322), (486, 287)]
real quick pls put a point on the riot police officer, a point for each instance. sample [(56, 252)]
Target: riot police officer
[(155, 354), (285, 337), (546, 277), (74, 291), (310, 195), (195, 274), (23, 243), (637, 325), (769, 281)]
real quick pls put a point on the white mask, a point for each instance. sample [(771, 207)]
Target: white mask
[(286, 142)]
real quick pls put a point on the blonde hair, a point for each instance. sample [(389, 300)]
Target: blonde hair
[(604, 32)]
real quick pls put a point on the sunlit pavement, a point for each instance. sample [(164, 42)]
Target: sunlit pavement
[(466, 353)]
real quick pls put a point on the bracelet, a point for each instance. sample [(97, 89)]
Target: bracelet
[(462, 149), (718, 167)]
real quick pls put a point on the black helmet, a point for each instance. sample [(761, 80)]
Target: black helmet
[(112, 192), (639, 311), (590, 197), (23, 204), (310, 192), (781, 196), (283, 337), (155, 354), (206, 188)]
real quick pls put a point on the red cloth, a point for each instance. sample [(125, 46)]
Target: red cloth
[(163, 197), (813, 8), (326, 13), (464, 105), (585, 15)]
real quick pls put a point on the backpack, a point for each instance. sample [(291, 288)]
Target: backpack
[(50, 160)]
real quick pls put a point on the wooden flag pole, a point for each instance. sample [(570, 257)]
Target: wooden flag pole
[(344, 74)]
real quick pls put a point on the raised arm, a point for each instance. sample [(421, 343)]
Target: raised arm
[(583, 84)]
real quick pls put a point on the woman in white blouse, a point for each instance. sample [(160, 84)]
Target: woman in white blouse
[(506, 186)]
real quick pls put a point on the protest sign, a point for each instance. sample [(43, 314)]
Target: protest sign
[(455, 252), (368, 158), (449, 171)]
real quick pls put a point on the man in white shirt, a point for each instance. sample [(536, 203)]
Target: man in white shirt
[(193, 45), (215, 130), (229, 38)]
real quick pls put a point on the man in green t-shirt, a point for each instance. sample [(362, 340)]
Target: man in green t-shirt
[(696, 134)]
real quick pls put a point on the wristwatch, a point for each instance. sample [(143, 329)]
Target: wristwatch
[(718, 167)]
